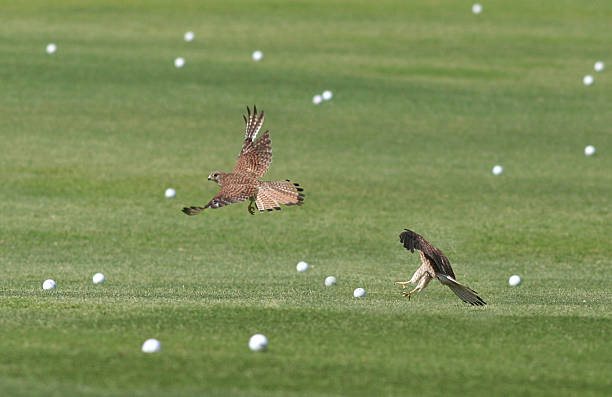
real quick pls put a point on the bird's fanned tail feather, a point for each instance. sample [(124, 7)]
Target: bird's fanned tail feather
[(464, 293), (272, 194)]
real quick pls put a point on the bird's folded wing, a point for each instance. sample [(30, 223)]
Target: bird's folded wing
[(439, 262)]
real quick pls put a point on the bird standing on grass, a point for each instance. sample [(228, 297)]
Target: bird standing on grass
[(244, 184), (435, 265)]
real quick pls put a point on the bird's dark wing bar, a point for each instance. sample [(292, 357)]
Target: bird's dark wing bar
[(439, 262)]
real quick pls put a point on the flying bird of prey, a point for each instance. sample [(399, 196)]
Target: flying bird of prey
[(434, 265), (244, 184)]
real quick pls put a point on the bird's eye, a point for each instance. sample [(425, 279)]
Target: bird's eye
[(216, 175)]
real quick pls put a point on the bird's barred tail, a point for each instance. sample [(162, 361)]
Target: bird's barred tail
[(272, 194), (464, 293)]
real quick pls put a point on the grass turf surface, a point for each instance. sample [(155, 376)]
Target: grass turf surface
[(428, 97)]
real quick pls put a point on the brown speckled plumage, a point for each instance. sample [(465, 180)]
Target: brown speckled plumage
[(243, 183)]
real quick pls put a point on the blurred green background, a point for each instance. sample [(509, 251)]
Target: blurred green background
[(428, 97)]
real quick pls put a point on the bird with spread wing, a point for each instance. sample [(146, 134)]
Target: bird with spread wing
[(244, 184), (434, 265)]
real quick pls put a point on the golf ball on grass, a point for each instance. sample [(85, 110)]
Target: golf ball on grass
[(588, 79), (98, 278), (514, 280), (476, 8), (329, 281), (589, 150), (49, 284), (151, 346), (599, 66), (170, 193), (258, 343), (51, 48), (302, 266), (317, 99), (359, 293), (257, 56), (189, 36), (498, 169), (179, 62), (327, 95)]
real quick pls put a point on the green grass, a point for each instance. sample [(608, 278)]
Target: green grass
[(428, 97)]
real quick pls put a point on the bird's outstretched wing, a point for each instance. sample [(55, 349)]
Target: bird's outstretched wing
[(439, 262), (233, 193), (255, 156)]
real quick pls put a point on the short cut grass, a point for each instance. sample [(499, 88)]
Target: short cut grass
[(428, 97)]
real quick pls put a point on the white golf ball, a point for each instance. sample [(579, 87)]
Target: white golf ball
[(476, 8), (317, 99), (330, 280), (359, 293), (327, 95), (179, 62), (49, 284), (98, 278), (599, 66), (514, 280), (588, 79), (589, 150), (257, 56), (301, 266), (151, 346), (498, 169), (258, 343), (51, 48), (170, 193), (189, 36)]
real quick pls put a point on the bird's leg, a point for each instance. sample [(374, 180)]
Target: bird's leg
[(422, 276), (251, 208), (403, 284)]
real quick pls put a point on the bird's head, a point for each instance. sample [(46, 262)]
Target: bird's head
[(215, 176)]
